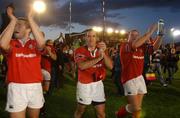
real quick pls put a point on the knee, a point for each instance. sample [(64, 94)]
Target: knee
[(80, 111), (101, 114), (136, 108), (34, 116)]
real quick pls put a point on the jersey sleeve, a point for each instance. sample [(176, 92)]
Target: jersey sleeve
[(79, 55)]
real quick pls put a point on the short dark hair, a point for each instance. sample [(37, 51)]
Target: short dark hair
[(47, 41), (134, 30), (89, 30), (26, 21)]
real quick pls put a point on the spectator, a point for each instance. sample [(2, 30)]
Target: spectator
[(156, 60), (60, 39), (116, 72), (48, 56), (59, 66)]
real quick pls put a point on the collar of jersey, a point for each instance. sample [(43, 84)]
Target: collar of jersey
[(22, 42), (92, 52)]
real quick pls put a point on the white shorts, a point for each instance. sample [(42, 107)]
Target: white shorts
[(92, 92), (46, 74), (135, 86), (21, 96)]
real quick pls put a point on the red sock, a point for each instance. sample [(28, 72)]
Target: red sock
[(122, 112)]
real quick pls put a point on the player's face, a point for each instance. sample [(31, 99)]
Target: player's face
[(133, 35), (91, 39), (20, 30)]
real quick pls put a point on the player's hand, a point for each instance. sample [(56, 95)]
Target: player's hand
[(101, 46), (10, 13), (48, 49), (30, 13)]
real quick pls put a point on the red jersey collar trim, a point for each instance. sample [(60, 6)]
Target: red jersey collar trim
[(23, 44), (92, 52)]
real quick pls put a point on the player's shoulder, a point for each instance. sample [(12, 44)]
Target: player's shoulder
[(14, 42), (81, 49)]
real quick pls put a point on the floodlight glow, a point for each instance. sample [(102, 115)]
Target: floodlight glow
[(122, 32), (39, 6), (110, 30), (116, 31), (176, 33), (97, 29), (172, 29)]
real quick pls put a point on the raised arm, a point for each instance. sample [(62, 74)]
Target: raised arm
[(36, 30), (108, 62), (60, 36), (158, 42), (140, 41), (6, 36), (51, 54)]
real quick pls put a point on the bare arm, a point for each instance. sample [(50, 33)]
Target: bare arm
[(36, 30), (140, 41), (52, 55), (89, 63), (8, 32), (158, 42), (60, 37), (108, 62), (3, 32)]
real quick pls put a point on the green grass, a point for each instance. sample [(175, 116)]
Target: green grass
[(160, 102)]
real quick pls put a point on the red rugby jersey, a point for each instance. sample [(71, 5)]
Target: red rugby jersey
[(24, 62), (132, 61), (46, 61), (87, 76)]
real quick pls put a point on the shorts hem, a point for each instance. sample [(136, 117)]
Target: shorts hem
[(15, 111), (83, 103), (31, 107), (135, 94)]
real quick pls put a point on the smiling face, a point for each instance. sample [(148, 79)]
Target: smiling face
[(21, 29), (133, 35), (91, 38)]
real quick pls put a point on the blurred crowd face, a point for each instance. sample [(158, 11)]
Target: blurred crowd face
[(133, 35), (49, 43), (21, 29), (91, 38)]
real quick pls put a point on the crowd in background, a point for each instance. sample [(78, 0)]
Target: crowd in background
[(162, 61)]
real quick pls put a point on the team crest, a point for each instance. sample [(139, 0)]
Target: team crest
[(31, 46)]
